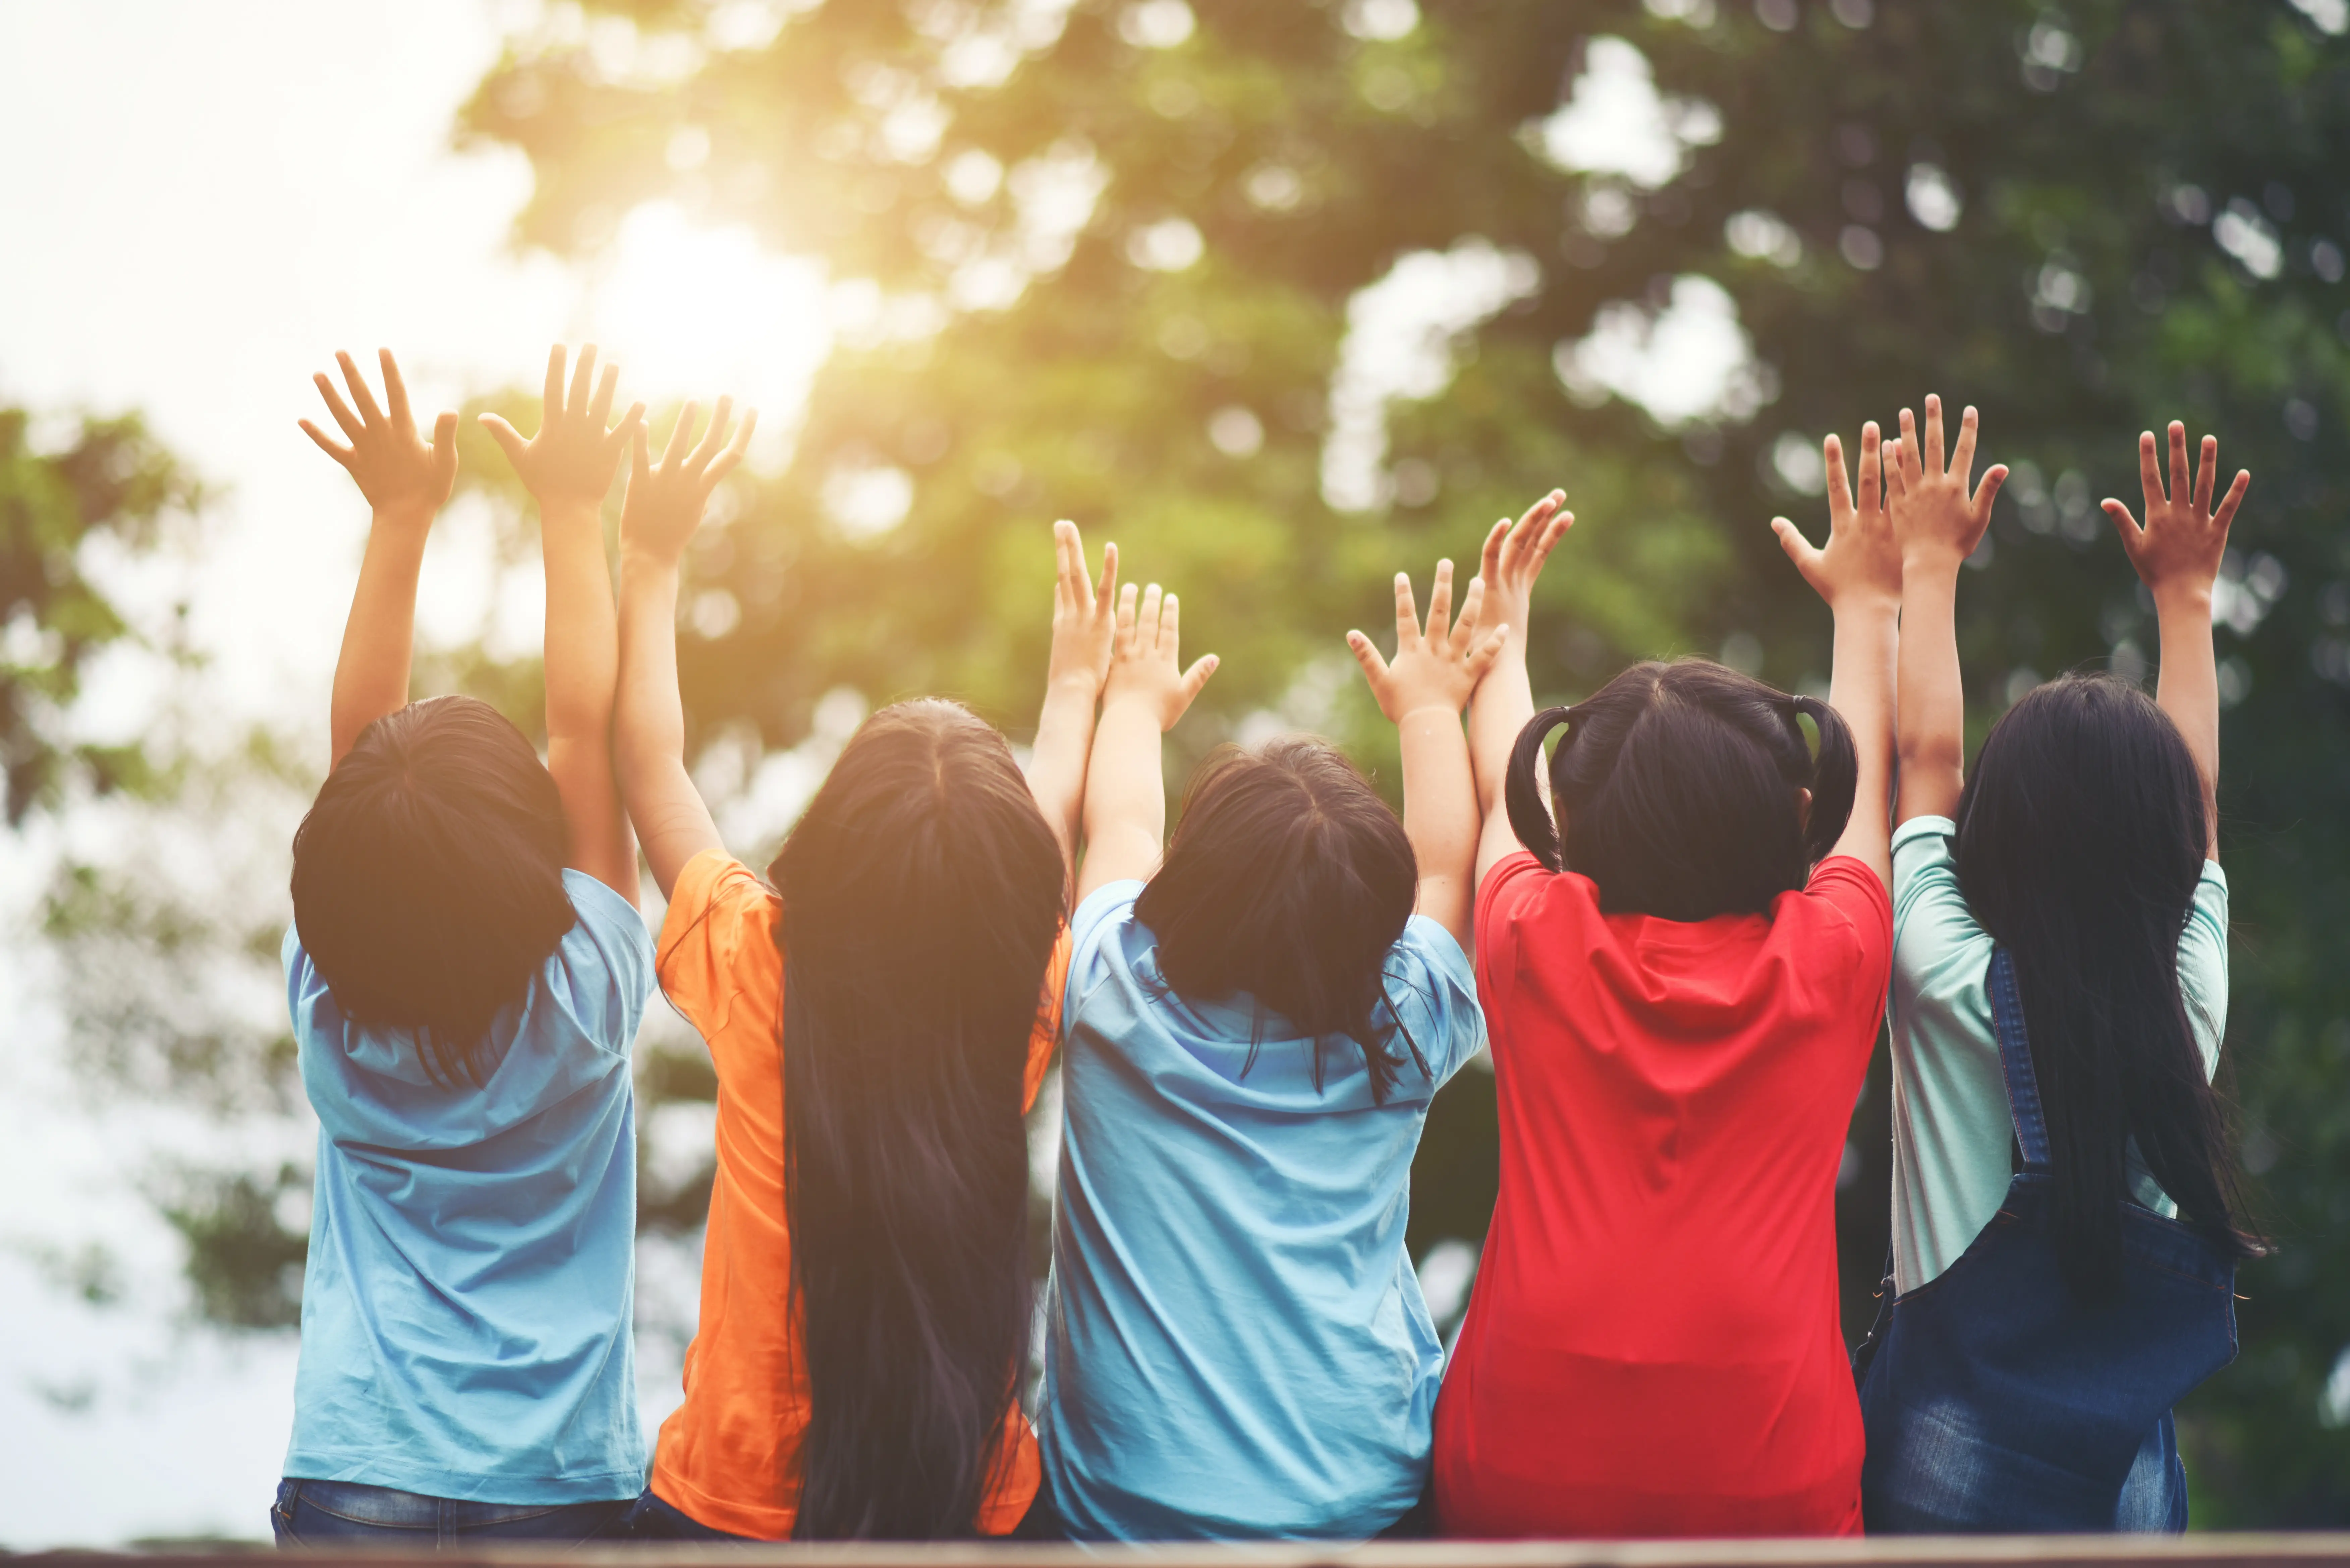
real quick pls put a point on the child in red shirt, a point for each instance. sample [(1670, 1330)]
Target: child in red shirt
[(1682, 975)]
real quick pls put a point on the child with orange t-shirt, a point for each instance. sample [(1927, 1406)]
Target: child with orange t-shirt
[(879, 1010)]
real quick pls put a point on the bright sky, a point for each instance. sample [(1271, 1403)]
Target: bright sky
[(206, 203)]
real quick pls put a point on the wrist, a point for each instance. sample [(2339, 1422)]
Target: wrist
[(2191, 597), (639, 560), (1870, 602), (1071, 684), (405, 514), (570, 512), (1423, 713), (1931, 556)]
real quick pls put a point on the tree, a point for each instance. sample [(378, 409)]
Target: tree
[(1109, 251)]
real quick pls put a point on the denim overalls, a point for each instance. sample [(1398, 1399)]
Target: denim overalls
[(1996, 1402)]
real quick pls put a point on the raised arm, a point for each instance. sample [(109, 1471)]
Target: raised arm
[(1421, 693), (567, 467), (406, 481), (1085, 616), (1937, 524), (2178, 556), (664, 506), (1504, 698), (1145, 692), (1859, 574)]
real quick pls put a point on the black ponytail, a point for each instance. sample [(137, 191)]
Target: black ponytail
[(1677, 790), (1529, 819), (1834, 776)]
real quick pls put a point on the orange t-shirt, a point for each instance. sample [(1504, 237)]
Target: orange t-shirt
[(723, 1454)]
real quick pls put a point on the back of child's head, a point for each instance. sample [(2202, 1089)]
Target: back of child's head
[(428, 877), (1287, 879), (1681, 788), (2081, 837), (922, 895)]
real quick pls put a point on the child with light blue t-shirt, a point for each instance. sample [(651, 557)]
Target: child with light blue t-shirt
[(1254, 1029), (466, 971)]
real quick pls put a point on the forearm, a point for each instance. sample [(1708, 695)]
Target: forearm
[(1861, 691), (1126, 798), (1499, 710), (371, 671), (1440, 816), (649, 724), (1056, 765), (1929, 708), (582, 646), (2187, 689)]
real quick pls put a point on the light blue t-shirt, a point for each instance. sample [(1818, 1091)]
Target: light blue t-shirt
[(1236, 1342), (465, 1312)]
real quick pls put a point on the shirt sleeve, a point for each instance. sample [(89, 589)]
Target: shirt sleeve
[(1048, 1034), (623, 955), (1512, 883), (1854, 892), (718, 946), (1433, 991), (1939, 947), (1093, 932), (2203, 964)]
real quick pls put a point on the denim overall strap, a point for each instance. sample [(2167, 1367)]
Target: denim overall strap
[(2015, 1063)]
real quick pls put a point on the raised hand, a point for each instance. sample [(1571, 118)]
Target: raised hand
[(2179, 549), (396, 470), (666, 500), (1932, 510), (1513, 557), (569, 461), (1435, 670), (1862, 557), (1143, 666), (1084, 614)]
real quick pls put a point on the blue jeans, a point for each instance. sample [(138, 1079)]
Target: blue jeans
[(317, 1513)]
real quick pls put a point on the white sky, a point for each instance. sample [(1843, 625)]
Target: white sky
[(204, 202)]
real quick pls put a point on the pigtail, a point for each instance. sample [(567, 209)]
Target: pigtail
[(1529, 818), (1835, 774)]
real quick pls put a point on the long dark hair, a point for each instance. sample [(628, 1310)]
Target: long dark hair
[(2081, 838), (1677, 786), (1288, 879), (922, 893), (428, 877)]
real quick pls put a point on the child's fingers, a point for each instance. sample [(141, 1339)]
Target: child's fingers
[(1910, 472), (1489, 649), (599, 410), (2207, 470), (1147, 639), (1988, 491), (1472, 609), (622, 433), (1872, 467), (1798, 548), (1440, 604), (1374, 668), (1839, 487), (641, 457), (1896, 472), (714, 437), (1489, 563), (1127, 618), (551, 395), (348, 420), (1104, 594), (1552, 532), (1407, 614), (444, 446), (507, 436), (2149, 472), (363, 399), (1932, 456), (680, 435), (583, 379), (1068, 574), (341, 454), (2233, 499), (395, 391), (2178, 485), (725, 463), (2126, 525), (1196, 678), (1962, 454)]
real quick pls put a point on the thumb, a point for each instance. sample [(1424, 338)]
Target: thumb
[(1374, 668), (1987, 490), (1798, 548), (1196, 678), (509, 438), (2125, 524), (1480, 658)]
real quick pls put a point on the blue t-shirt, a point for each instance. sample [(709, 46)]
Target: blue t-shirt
[(465, 1312), (1236, 1342)]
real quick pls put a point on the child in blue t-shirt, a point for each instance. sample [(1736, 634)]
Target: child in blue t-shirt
[(1237, 1346), (466, 971)]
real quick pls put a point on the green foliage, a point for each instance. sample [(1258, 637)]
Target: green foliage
[(244, 1264), (110, 481), (2084, 221)]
